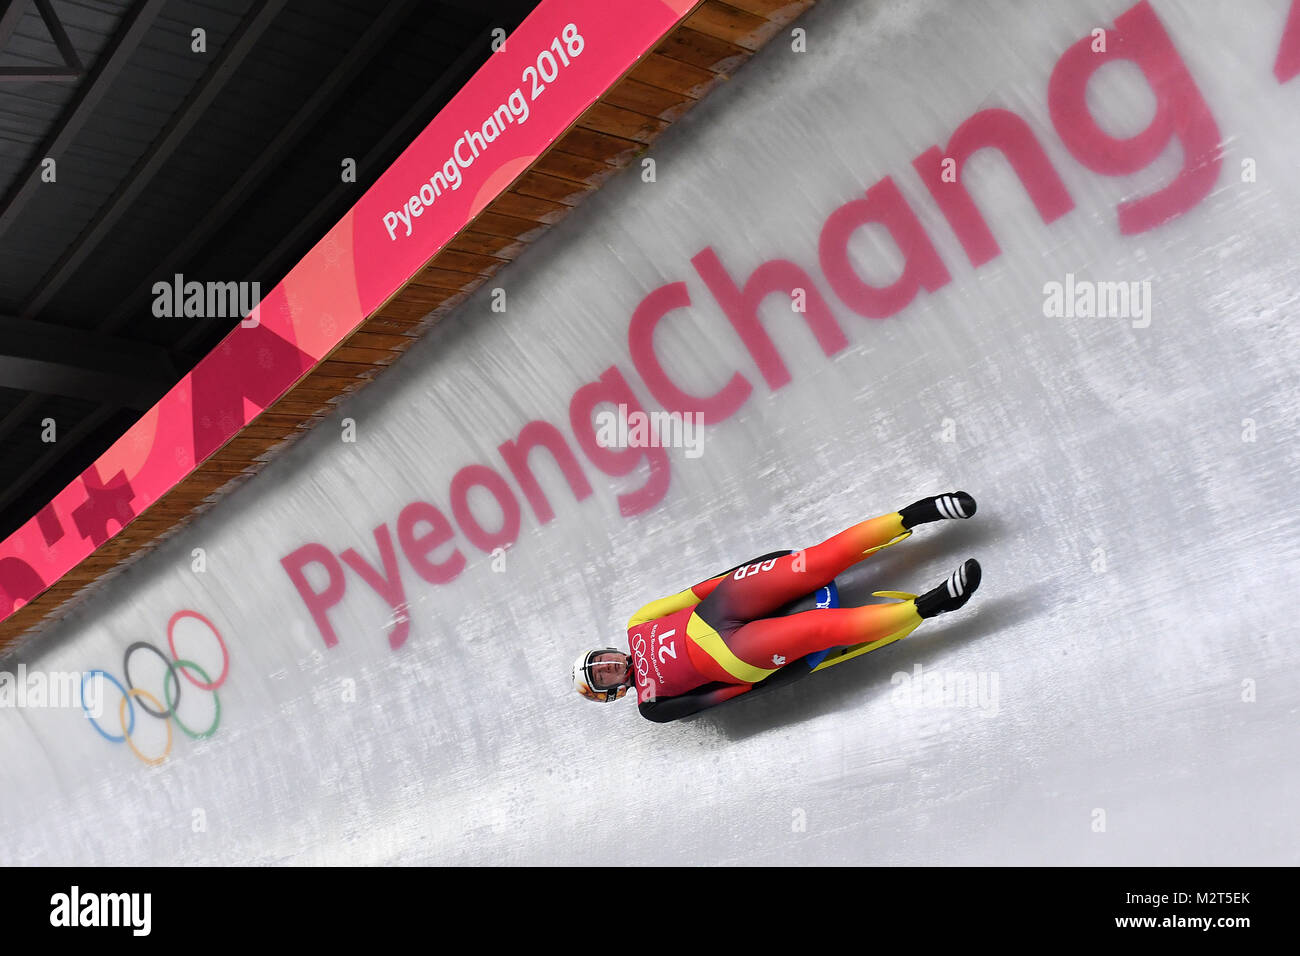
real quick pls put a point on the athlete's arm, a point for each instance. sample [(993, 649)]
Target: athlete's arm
[(664, 709), (692, 595), (710, 695)]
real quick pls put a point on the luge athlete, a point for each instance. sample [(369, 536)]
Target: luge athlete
[(719, 639)]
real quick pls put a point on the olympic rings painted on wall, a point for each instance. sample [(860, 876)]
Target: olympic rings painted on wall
[(94, 723), (216, 703), (171, 672), (149, 703), (121, 713), (225, 654)]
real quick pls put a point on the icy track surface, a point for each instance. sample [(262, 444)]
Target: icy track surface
[(1135, 633)]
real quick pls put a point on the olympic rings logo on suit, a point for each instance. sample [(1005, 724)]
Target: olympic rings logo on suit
[(172, 684), (638, 653)]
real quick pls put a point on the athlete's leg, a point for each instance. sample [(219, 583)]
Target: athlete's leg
[(753, 652), (772, 641), (758, 589)]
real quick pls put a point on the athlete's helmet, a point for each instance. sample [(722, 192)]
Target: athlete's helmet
[(585, 683)]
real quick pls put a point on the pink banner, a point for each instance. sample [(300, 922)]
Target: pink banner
[(560, 61)]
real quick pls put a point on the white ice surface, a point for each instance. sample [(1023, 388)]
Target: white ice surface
[(1140, 557)]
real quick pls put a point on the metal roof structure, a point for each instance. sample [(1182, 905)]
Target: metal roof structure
[(133, 148)]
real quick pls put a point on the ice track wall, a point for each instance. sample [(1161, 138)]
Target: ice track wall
[(398, 611)]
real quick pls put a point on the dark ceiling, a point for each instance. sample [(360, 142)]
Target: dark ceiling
[(221, 165)]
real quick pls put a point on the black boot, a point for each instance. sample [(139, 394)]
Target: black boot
[(953, 593), (956, 504)]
